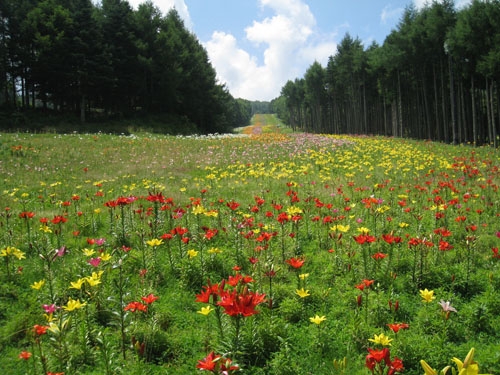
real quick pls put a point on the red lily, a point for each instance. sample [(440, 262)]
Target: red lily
[(149, 299), (240, 304), (136, 306), (209, 362), (296, 262)]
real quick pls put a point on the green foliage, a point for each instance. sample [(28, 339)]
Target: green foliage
[(119, 286)]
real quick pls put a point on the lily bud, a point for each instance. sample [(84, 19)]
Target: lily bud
[(427, 369), (470, 356)]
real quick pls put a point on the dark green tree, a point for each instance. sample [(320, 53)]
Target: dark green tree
[(120, 46), (315, 95)]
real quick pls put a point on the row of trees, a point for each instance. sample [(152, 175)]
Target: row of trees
[(435, 77), (74, 56)]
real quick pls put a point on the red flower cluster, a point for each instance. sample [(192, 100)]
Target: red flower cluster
[(395, 327), (376, 360), (58, 219), (210, 290), (390, 239), (158, 197), (495, 252), (365, 284), (139, 306), (217, 364), (364, 238), (238, 300), (233, 205), (26, 215), (40, 330), (136, 306), (24, 355), (242, 303), (120, 201), (379, 256), (177, 231)]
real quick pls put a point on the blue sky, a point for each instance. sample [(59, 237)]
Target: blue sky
[(257, 45)]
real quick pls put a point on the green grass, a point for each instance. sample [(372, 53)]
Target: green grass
[(252, 201)]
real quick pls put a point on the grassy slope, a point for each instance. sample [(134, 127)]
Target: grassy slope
[(47, 170)]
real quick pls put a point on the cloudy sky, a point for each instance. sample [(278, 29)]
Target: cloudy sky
[(257, 45)]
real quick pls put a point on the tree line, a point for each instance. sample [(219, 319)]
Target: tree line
[(435, 77), (71, 56)]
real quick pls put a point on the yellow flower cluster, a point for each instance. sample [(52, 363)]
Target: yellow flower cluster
[(10, 250), (93, 280)]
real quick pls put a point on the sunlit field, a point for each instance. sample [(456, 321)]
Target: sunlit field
[(263, 252)]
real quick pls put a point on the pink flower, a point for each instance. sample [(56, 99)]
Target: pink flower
[(94, 262), (62, 251), (100, 241), (49, 309)]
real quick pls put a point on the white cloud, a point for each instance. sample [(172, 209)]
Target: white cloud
[(289, 39), (389, 14), (291, 47)]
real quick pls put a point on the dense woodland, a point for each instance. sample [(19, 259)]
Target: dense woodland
[(436, 77), (108, 61)]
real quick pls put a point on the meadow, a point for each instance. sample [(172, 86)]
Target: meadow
[(263, 252)]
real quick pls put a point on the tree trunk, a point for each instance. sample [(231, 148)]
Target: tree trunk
[(436, 106), (364, 110), (394, 115), (490, 105), (443, 108), (400, 107), (82, 109), (452, 102), (386, 130), (426, 109), (14, 94)]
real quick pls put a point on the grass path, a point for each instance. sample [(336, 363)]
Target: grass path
[(264, 123)]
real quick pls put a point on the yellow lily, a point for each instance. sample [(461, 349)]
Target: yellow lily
[(74, 305), (154, 242), (37, 285), (317, 319), (77, 284), (205, 310), (468, 366), (302, 293), (381, 340), (88, 252), (427, 295)]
